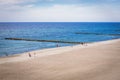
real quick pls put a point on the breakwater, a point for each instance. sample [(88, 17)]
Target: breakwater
[(97, 34), (55, 41)]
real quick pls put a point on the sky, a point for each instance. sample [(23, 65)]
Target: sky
[(59, 10)]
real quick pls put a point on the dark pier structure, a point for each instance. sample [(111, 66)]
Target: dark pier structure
[(97, 34), (55, 41)]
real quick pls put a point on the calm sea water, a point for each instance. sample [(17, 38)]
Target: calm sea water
[(51, 31)]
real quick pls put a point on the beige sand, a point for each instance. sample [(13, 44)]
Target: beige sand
[(96, 61)]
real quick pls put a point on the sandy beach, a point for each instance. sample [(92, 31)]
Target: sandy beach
[(94, 61)]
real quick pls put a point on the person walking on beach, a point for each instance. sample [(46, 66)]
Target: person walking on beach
[(82, 43), (29, 55), (6, 54), (57, 45)]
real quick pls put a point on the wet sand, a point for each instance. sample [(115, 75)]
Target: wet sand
[(96, 61)]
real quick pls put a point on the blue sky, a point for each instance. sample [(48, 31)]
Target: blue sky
[(59, 10)]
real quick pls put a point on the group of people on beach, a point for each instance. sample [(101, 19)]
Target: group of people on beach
[(30, 55), (57, 45), (83, 44)]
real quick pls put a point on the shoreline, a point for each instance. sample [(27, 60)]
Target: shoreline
[(50, 51), (94, 61)]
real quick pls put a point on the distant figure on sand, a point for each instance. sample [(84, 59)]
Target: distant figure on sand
[(29, 55), (84, 43), (6, 54), (57, 45)]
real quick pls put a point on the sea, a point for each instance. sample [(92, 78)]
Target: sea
[(62, 31)]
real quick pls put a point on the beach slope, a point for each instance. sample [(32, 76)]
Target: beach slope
[(95, 61)]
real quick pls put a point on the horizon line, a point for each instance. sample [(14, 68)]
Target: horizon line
[(64, 22)]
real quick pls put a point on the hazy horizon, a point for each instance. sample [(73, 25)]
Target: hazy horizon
[(59, 11)]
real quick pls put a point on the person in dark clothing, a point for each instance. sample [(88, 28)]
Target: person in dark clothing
[(29, 55)]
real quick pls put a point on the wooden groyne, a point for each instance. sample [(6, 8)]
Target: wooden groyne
[(97, 33), (55, 41), (118, 30)]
